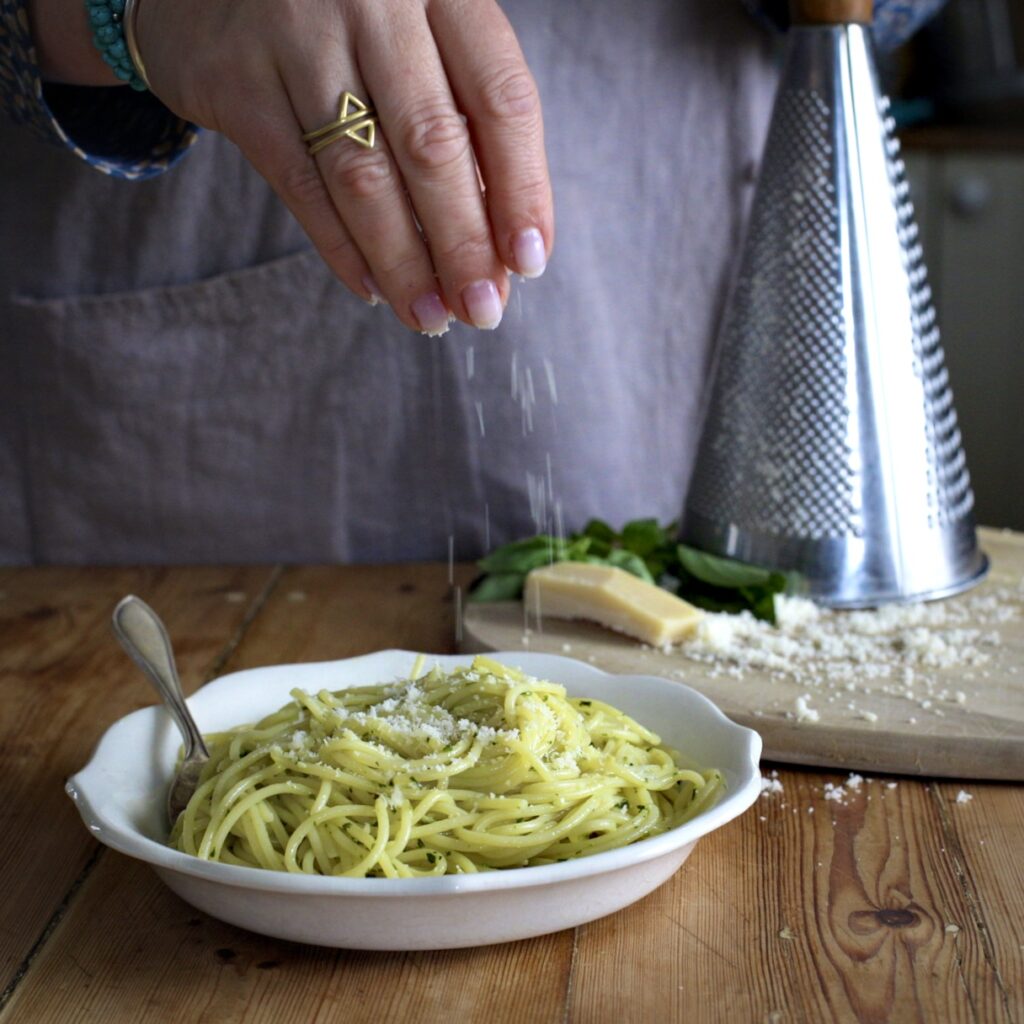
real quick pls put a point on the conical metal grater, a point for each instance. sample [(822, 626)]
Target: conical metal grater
[(830, 444)]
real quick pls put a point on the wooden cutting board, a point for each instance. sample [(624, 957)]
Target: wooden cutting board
[(981, 738)]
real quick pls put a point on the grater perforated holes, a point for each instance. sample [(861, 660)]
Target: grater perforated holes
[(801, 478)]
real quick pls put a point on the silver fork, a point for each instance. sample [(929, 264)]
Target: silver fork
[(144, 637)]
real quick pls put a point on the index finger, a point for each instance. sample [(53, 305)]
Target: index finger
[(495, 90)]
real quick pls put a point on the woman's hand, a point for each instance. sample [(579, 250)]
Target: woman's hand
[(452, 94)]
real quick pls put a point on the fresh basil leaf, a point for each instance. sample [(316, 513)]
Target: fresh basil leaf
[(643, 536), (523, 555), (715, 604), (598, 529), (764, 607), (498, 586), (721, 572), (576, 549), (601, 548), (631, 562), (658, 565)]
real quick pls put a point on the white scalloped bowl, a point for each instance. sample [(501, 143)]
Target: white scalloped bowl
[(121, 796)]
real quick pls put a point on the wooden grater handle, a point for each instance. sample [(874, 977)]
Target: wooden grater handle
[(831, 12)]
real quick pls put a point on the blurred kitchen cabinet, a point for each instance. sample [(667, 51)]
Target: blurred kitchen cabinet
[(970, 208)]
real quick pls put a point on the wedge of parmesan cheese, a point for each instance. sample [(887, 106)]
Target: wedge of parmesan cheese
[(611, 597)]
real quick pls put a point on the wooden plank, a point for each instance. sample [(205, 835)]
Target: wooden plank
[(64, 680), (325, 612), (785, 915), (132, 952), (980, 738), (185, 966), (983, 838)]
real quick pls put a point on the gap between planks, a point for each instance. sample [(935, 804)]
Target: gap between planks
[(51, 926), (571, 979), (216, 667)]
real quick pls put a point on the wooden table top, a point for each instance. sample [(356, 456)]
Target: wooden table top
[(898, 904)]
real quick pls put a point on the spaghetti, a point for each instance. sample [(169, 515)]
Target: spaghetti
[(442, 773)]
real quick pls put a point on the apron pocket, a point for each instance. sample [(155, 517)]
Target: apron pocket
[(183, 423)]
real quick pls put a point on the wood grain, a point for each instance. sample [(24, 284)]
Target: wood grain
[(983, 839), (322, 613), (64, 680), (131, 951), (897, 904), (787, 915), (982, 738)]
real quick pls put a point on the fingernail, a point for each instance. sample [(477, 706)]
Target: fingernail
[(431, 313), (483, 304), (528, 249), (376, 295)]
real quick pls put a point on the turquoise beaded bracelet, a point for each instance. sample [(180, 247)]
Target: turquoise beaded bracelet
[(107, 20)]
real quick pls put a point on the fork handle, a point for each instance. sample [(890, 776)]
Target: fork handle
[(144, 637)]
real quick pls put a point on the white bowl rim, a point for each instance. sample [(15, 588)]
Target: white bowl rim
[(733, 803)]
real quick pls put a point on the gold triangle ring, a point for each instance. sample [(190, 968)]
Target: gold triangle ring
[(355, 121)]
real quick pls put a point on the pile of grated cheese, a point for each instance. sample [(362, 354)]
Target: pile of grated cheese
[(408, 715), (898, 651), (403, 721)]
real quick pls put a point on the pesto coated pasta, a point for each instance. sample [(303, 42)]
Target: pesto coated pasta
[(442, 773)]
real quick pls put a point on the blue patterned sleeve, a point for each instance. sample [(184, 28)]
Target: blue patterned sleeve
[(895, 20), (119, 131)]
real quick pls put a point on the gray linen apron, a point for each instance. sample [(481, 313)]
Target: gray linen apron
[(181, 380)]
